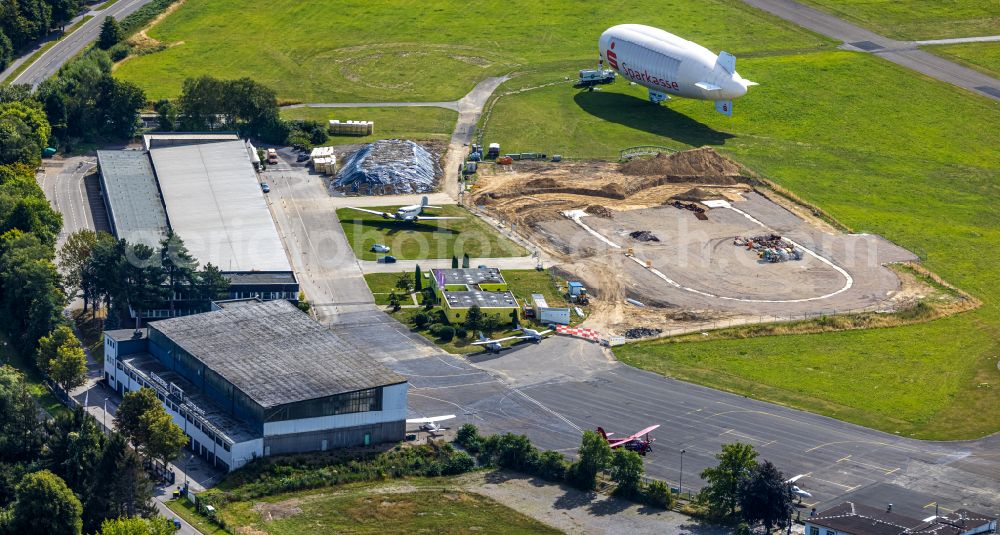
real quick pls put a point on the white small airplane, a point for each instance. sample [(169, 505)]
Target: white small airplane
[(430, 424), (795, 488), (494, 346), (409, 214), (532, 334)]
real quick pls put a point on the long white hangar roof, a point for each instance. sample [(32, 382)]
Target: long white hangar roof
[(215, 204)]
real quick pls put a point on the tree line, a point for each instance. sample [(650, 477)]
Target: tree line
[(23, 22)]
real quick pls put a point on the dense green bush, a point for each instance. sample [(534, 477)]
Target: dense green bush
[(420, 320), (446, 333), (119, 52), (461, 333), (657, 494), (552, 466), (468, 437)]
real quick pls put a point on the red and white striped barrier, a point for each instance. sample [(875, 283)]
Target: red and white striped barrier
[(579, 332)]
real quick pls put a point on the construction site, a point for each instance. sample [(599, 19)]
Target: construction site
[(688, 240)]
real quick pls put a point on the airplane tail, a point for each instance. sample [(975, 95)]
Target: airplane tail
[(600, 431), (423, 201), (482, 336)]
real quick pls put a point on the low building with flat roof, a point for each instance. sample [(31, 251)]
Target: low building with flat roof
[(204, 188), (254, 379), (460, 288), (851, 518)]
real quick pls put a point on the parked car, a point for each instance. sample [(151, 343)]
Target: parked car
[(387, 260), (302, 158), (379, 248), (265, 187)]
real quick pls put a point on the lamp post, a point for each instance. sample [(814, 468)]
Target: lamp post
[(680, 484)]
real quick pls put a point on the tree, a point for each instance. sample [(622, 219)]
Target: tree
[(765, 497), (24, 132), (144, 279), (454, 262), (31, 300), (48, 346), (474, 318), (420, 320), (552, 465), (418, 280), (594, 456), (156, 525), (44, 504), (403, 282), (143, 420), (63, 11), (129, 419), (102, 278), (394, 301), (118, 104), (626, 470), (446, 333), (465, 260), (69, 368), (165, 437), (73, 257), (166, 115), (20, 436), (6, 50), (74, 448), (721, 494), (178, 265), (111, 33), (120, 486), (212, 285)]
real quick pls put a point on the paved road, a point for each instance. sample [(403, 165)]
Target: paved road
[(903, 53), (64, 185), (49, 62)]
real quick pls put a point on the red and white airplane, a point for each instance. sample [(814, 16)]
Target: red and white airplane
[(639, 442)]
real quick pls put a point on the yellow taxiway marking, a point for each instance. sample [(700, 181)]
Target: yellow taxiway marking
[(935, 504)]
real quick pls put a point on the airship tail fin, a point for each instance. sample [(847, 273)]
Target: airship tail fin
[(724, 107), (707, 86), (727, 61)]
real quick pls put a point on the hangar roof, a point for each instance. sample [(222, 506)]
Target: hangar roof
[(216, 205), (275, 353), (133, 197)]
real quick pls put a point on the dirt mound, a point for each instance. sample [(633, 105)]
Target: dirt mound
[(545, 182), (697, 195), (278, 510), (599, 211), (700, 166), (643, 235)]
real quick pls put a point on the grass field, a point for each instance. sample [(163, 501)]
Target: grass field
[(185, 510), (918, 19), (356, 50), (984, 57), (522, 282), (405, 506), (416, 123), (431, 239), (819, 125)]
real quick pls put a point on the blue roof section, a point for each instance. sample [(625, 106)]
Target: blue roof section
[(132, 196)]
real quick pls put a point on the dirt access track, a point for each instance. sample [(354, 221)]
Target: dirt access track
[(583, 215)]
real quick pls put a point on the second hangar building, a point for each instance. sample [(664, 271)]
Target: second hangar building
[(255, 378)]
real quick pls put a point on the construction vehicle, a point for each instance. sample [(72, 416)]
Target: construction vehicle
[(494, 151)]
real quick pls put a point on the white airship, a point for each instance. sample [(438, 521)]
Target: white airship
[(669, 65)]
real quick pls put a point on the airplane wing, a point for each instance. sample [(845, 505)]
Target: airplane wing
[(618, 442), (429, 206), (643, 432), (544, 332), (796, 478), (429, 420), (433, 218), (367, 210)]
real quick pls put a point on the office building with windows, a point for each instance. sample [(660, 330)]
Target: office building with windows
[(257, 378)]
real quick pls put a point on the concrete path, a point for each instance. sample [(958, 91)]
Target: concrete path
[(451, 105), (960, 40), (470, 108), (48, 63), (903, 53), (515, 262)]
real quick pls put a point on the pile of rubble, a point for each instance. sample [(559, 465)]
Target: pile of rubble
[(687, 206), (599, 211), (770, 247), (643, 235), (389, 166), (641, 332)]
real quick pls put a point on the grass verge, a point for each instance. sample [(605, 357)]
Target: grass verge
[(38, 53), (36, 386), (430, 239), (185, 510), (414, 505), (417, 123), (917, 19), (983, 57)]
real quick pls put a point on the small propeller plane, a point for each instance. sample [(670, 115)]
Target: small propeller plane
[(634, 442), (795, 488), (408, 214), (532, 334), (493, 346), (430, 424)]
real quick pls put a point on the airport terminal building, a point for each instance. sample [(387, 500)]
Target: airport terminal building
[(203, 187), (256, 378)]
